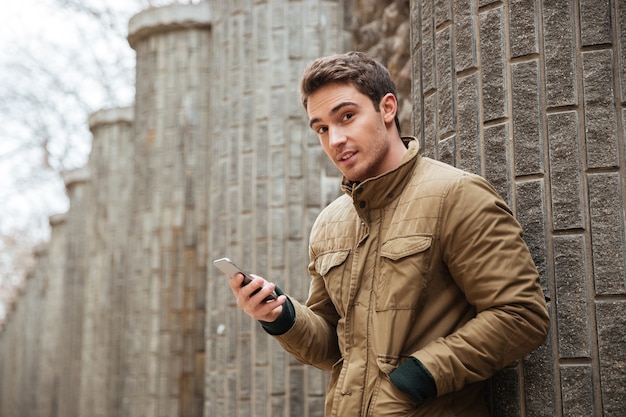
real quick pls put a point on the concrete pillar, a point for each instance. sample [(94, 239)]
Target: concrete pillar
[(29, 318), (52, 369), (111, 168), (20, 373), (70, 326), (168, 259), (10, 365), (530, 94), (266, 170)]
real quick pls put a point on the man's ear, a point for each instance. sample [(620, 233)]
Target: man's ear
[(389, 108)]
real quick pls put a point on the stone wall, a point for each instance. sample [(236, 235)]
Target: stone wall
[(382, 29), (103, 360), (168, 258), (124, 314), (530, 94), (268, 181), (20, 345)]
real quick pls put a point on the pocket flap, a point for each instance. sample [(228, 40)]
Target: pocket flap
[(327, 261), (400, 247)]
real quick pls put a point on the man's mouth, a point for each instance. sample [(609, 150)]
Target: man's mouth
[(346, 156)]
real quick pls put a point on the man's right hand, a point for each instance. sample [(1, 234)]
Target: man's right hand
[(254, 305)]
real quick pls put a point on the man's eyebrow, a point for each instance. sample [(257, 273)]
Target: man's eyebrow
[(333, 111)]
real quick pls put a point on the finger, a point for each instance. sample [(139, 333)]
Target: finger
[(263, 293), (235, 283), (269, 311), (251, 288), (254, 297)]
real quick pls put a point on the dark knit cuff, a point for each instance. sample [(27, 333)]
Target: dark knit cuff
[(284, 322), (415, 380)]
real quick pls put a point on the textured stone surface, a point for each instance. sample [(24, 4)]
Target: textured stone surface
[(595, 22), (493, 59), (607, 233), (621, 39), (539, 382), (427, 62), (523, 27), (528, 143), (611, 322), (577, 383), (465, 34), (469, 124), (600, 115), (530, 213), (565, 171), (496, 159), (560, 64), (572, 298), (443, 12), (429, 113), (447, 150), (446, 100), (383, 30), (505, 386)]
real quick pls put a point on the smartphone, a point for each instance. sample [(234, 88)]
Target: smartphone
[(229, 268)]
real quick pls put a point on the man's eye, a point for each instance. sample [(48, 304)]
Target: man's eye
[(321, 130), (347, 116)]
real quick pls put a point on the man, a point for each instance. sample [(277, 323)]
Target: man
[(421, 285)]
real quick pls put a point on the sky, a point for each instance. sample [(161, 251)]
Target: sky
[(39, 30), (21, 24), (56, 67)]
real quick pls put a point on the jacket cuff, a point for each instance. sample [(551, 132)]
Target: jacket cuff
[(284, 322), (415, 380)]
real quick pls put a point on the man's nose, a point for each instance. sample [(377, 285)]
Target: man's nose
[(336, 137)]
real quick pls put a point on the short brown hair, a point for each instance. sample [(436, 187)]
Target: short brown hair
[(367, 75)]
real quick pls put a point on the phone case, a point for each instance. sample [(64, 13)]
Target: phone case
[(229, 268)]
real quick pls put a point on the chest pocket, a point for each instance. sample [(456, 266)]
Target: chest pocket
[(333, 267), (404, 266)]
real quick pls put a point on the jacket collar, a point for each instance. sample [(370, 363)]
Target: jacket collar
[(378, 192)]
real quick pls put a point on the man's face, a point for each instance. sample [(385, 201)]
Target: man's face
[(353, 134)]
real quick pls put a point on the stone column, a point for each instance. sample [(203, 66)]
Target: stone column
[(29, 320), (266, 170), (530, 94), (9, 365), (72, 307), (168, 257), (21, 343), (111, 168), (51, 367)]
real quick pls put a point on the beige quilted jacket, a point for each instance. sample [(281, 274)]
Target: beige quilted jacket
[(424, 261)]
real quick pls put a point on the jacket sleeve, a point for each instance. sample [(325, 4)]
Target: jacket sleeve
[(312, 339), (482, 246)]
